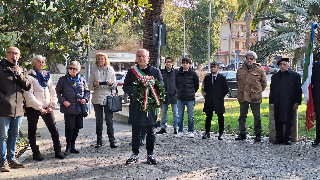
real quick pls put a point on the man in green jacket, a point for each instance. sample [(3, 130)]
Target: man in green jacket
[(13, 80)]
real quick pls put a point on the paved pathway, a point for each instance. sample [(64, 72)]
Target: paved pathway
[(179, 158)]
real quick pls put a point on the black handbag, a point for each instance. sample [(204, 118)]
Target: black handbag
[(114, 103)]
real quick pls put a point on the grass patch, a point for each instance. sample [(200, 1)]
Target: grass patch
[(231, 119)]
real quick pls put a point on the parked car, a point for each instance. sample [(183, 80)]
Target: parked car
[(273, 69), (232, 83), (222, 66), (230, 66), (120, 76), (266, 69)]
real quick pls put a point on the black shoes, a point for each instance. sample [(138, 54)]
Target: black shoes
[(162, 131), (98, 145), (206, 135), (284, 142), (133, 159), (74, 150), (220, 137), (277, 142), (67, 152), (241, 137), (316, 142), (257, 138), (287, 142), (151, 160), (175, 131), (113, 145)]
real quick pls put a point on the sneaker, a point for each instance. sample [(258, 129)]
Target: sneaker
[(15, 164), (191, 135), (175, 131), (133, 159), (220, 137), (180, 134), (4, 167), (206, 135), (151, 160), (162, 131)]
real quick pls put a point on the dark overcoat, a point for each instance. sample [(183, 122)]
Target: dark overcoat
[(11, 90), (65, 92), (137, 117), (285, 91), (169, 79), (315, 80), (215, 92)]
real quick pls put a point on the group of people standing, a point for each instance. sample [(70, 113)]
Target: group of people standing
[(72, 92)]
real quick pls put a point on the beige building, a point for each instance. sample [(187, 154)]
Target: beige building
[(233, 37)]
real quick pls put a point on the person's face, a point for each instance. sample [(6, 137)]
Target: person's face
[(39, 64), (185, 65), (169, 63), (101, 61), (250, 60), (143, 58), (214, 69), (13, 53), (283, 65), (73, 70)]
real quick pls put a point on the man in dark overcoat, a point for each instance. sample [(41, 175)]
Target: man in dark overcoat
[(169, 76), (214, 89), (285, 97), (139, 118), (315, 80)]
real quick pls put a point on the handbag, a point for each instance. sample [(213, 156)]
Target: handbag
[(114, 103)]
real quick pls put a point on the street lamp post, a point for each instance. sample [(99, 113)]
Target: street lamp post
[(184, 34)]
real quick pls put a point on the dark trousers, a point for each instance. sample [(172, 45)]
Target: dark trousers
[(33, 117), (75, 122), (255, 107), (317, 125), (289, 125), (209, 115), (150, 139), (99, 110)]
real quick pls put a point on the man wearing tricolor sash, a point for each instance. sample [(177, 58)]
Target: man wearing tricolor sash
[(285, 97), (139, 118)]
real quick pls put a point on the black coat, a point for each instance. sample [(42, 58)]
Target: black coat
[(187, 83), (169, 79), (65, 92), (315, 80), (215, 92), (137, 117), (285, 91)]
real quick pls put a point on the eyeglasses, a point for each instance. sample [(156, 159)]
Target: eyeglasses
[(13, 53), (168, 61), (183, 62), (72, 68)]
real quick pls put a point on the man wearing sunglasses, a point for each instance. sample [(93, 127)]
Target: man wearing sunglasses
[(214, 89), (13, 80), (252, 82)]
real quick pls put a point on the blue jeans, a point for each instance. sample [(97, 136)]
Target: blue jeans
[(190, 107), (164, 118), (10, 126)]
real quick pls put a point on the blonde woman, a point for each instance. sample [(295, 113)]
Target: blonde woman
[(102, 82)]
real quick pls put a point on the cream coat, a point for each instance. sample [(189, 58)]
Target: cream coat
[(100, 92), (38, 97)]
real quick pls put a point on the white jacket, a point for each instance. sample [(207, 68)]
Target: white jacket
[(106, 73), (38, 97)]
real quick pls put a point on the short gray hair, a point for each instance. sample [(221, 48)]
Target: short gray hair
[(144, 50), (75, 63), (34, 59), (251, 53)]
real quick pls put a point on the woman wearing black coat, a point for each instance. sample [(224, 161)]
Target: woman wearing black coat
[(71, 101)]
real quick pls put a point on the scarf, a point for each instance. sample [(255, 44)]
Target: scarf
[(42, 80), (74, 81)]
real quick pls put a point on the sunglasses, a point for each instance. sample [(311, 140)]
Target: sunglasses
[(72, 68)]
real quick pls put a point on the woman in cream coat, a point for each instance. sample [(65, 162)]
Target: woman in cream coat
[(40, 100), (102, 82)]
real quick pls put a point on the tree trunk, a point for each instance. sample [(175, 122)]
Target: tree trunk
[(154, 15), (248, 19)]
